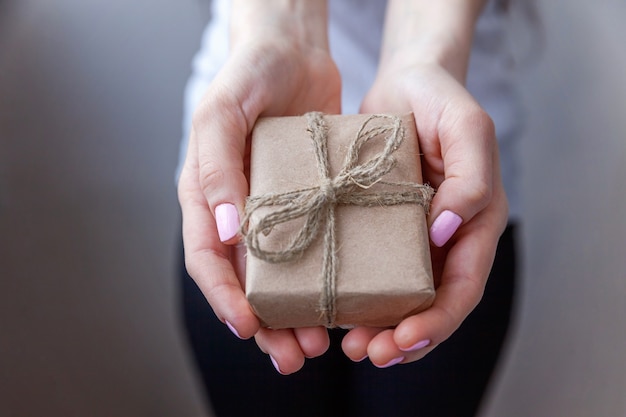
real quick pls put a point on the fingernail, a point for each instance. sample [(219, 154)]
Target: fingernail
[(276, 365), (444, 227), (362, 359), (227, 220), (392, 362), (232, 329), (419, 345)]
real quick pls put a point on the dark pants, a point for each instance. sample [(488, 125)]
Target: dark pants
[(450, 381)]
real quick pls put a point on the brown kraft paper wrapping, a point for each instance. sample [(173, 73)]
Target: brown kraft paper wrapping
[(378, 250)]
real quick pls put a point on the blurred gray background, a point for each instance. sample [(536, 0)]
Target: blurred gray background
[(90, 114)]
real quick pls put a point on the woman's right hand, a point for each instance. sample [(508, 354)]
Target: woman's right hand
[(279, 65)]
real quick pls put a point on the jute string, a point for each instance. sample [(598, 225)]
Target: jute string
[(317, 204)]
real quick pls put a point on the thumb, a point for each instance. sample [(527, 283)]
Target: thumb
[(469, 153), (219, 134)]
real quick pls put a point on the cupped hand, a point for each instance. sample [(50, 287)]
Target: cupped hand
[(468, 213), (264, 76)]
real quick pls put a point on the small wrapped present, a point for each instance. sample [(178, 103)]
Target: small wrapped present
[(335, 225)]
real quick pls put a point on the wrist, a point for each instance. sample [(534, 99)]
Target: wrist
[(422, 32), (304, 23)]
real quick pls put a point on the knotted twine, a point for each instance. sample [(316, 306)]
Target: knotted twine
[(317, 204)]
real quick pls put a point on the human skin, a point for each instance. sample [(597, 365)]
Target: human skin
[(423, 66), (280, 64)]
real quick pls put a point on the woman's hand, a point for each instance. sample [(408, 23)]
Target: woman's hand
[(279, 65), (469, 210)]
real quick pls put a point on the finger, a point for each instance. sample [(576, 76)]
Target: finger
[(463, 281), (384, 352), (207, 259), (282, 347), (467, 149), (417, 335), (463, 277), (354, 343), (219, 133), (313, 341), (380, 346), (465, 274)]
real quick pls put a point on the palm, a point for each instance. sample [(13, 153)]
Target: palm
[(288, 81)]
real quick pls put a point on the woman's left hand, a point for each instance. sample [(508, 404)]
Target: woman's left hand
[(468, 214)]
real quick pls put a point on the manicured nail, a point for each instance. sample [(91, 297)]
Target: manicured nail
[(227, 220), (444, 227), (362, 359), (232, 329), (392, 362), (419, 345), (276, 365)]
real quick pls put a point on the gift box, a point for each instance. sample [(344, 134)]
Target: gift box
[(335, 225)]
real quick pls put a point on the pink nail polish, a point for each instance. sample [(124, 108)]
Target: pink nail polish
[(232, 329), (444, 227), (392, 362), (276, 365), (227, 220), (419, 345)]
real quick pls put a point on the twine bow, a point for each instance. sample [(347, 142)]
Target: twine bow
[(317, 204)]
